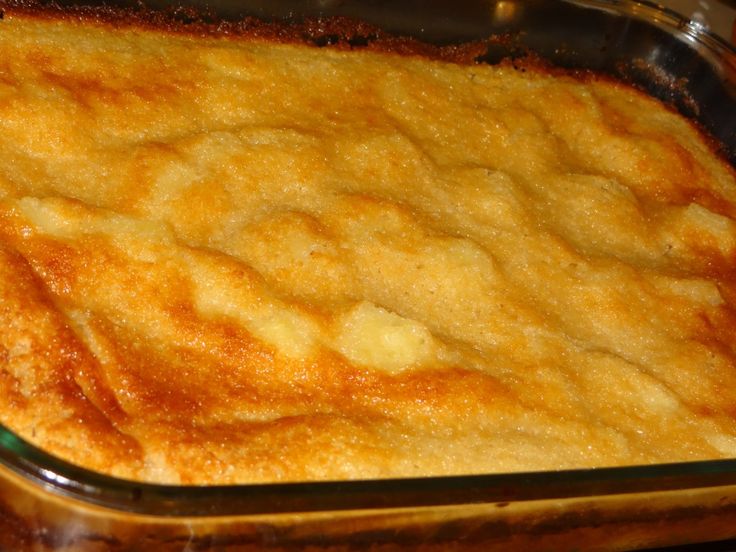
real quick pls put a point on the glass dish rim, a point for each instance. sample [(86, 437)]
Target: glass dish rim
[(64, 479), (67, 480), (663, 17)]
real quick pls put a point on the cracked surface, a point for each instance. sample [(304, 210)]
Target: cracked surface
[(228, 260)]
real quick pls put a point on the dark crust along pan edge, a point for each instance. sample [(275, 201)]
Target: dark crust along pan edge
[(348, 33), (610, 46)]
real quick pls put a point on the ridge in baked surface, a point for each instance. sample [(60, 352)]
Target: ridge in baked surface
[(227, 259)]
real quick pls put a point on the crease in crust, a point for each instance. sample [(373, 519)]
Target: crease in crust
[(386, 265)]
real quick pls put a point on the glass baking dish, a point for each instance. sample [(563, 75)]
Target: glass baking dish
[(47, 504)]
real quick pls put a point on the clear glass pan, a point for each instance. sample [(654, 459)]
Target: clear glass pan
[(47, 504)]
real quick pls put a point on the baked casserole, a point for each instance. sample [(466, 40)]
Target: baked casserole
[(228, 255)]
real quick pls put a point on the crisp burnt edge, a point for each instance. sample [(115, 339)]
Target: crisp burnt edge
[(344, 33), (338, 32)]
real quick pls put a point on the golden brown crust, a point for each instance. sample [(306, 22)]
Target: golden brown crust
[(39, 349), (337, 32), (228, 256), (344, 33)]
